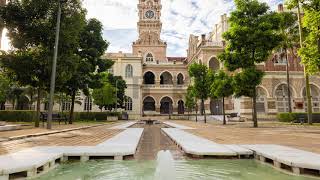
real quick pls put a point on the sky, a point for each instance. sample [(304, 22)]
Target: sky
[(180, 18)]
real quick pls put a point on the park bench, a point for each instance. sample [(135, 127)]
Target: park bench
[(55, 117), (235, 117)]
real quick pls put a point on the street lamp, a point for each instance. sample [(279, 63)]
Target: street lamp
[(54, 66)]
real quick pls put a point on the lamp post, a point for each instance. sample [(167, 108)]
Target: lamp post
[(54, 67)]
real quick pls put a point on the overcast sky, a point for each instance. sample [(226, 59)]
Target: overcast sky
[(180, 18)]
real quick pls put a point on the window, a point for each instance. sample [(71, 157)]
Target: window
[(315, 97), (282, 98), (88, 104), (279, 58), (128, 104), (129, 71), (66, 106), (149, 57), (261, 99)]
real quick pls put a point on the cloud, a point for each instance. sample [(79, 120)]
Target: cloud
[(180, 18)]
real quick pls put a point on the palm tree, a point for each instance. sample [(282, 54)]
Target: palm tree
[(290, 32)]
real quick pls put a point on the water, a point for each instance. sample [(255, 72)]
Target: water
[(185, 170), (165, 166)]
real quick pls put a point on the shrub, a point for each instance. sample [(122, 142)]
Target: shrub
[(290, 117), (30, 116), (286, 117), (18, 116), (95, 116)]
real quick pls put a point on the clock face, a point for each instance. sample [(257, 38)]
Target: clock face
[(149, 14)]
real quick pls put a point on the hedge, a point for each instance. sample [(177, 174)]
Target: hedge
[(295, 117), (29, 116), (18, 116), (95, 116)]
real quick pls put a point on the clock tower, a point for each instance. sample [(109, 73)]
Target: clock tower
[(149, 44)]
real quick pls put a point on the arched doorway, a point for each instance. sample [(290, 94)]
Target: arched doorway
[(282, 96), (216, 106), (149, 104), (166, 78), (166, 105), (214, 64), (315, 97), (180, 107), (180, 80), (261, 100), (149, 78)]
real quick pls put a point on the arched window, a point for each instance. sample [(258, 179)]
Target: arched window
[(180, 79), (166, 78), (129, 71), (149, 57), (88, 104), (315, 97), (214, 64), (128, 104), (149, 78)]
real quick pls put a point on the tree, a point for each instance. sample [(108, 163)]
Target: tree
[(5, 85), (289, 31), (222, 87), (190, 101), (201, 84), (250, 40), (308, 49), (31, 29), (105, 96), (91, 48), (121, 86)]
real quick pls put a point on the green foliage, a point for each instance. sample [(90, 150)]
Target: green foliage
[(31, 30), (105, 97), (252, 37), (190, 99), (18, 116), (29, 116), (4, 88), (310, 52), (246, 81), (222, 86), (289, 30), (286, 117), (121, 86), (202, 79)]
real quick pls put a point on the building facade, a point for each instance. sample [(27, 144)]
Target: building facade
[(157, 84)]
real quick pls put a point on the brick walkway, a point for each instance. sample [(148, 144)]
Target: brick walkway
[(301, 137), (86, 137)]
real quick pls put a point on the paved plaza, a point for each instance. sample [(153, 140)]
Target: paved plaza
[(303, 137), (85, 137)]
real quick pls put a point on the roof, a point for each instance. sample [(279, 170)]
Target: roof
[(181, 59)]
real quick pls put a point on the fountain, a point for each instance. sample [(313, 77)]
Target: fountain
[(165, 166)]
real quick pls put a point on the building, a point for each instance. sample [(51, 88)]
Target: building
[(157, 84)]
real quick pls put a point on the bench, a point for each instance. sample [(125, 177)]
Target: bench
[(55, 117), (235, 117)]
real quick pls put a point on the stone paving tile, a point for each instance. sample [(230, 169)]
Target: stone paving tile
[(86, 137), (31, 130), (297, 136)]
